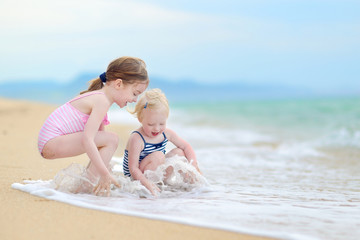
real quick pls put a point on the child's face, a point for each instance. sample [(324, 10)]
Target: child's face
[(129, 93), (154, 121)]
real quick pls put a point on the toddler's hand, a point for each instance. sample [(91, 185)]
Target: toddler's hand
[(197, 168), (103, 186), (152, 188), (194, 163), (155, 190)]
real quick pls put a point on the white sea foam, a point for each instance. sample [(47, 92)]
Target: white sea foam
[(342, 137)]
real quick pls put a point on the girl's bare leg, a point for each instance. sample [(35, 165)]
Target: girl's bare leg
[(70, 146)]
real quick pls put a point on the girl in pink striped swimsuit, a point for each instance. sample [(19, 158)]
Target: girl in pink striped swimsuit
[(78, 126)]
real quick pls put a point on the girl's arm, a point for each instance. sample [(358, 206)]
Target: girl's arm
[(92, 126), (134, 147), (183, 145), (102, 127)]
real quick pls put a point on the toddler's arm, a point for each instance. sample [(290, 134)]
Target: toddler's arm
[(183, 145), (134, 148)]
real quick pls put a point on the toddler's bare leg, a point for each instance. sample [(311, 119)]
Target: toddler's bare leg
[(152, 161), (175, 151)]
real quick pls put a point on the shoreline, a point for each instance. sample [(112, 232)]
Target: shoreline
[(26, 216)]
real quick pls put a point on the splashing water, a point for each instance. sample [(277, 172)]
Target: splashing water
[(182, 178)]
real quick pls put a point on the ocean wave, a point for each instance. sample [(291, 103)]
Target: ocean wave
[(343, 137)]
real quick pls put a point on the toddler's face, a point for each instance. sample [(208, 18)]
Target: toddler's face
[(154, 122)]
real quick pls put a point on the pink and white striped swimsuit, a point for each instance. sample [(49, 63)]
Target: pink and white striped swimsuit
[(64, 120)]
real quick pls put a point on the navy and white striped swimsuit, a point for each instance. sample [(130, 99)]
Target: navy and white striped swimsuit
[(148, 148)]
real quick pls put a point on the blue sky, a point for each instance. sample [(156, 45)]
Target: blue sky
[(302, 43)]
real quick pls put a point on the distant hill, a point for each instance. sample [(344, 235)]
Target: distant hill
[(186, 90), (223, 91), (45, 91)]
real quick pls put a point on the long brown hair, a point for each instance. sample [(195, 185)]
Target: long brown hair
[(128, 69)]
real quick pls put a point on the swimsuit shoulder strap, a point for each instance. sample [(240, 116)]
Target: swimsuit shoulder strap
[(85, 95), (164, 136), (140, 136)]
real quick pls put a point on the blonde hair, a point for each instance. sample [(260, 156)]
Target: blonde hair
[(151, 99), (128, 69)]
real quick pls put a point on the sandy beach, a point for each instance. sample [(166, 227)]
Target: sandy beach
[(24, 216)]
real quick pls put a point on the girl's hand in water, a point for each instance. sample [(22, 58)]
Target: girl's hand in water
[(103, 186)]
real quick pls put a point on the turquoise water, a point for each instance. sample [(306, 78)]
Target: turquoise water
[(302, 118)]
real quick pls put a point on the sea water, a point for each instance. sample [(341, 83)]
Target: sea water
[(283, 168)]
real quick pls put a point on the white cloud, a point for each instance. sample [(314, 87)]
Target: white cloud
[(63, 38), (96, 19), (87, 16)]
